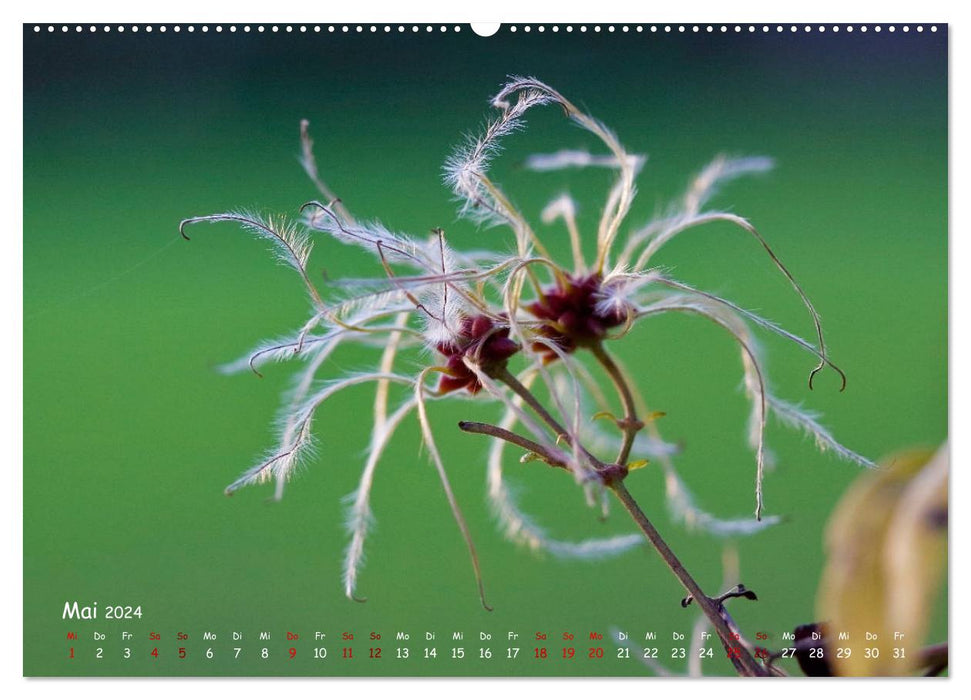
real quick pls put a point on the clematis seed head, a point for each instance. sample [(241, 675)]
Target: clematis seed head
[(481, 341), (573, 316)]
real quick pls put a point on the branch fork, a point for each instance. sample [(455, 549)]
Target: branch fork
[(612, 476)]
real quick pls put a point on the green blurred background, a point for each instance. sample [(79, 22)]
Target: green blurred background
[(130, 436)]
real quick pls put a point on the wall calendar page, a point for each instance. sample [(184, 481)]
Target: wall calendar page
[(539, 350)]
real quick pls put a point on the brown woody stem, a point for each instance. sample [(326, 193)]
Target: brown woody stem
[(612, 476), (744, 662), (509, 379), (630, 424), (495, 431)]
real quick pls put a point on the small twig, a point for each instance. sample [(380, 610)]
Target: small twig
[(738, 591), (495, 431)]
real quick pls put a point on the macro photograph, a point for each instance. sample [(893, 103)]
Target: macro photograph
[(569, 351)]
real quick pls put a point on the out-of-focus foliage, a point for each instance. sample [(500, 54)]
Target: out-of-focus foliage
[(886, 548)]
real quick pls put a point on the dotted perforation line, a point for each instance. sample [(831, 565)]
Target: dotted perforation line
[(249, 28), (727, 28), (428, 28)]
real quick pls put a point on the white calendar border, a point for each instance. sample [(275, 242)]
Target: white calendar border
[(451, 12)]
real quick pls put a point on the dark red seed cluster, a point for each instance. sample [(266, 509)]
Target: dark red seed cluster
[(570, 309), (484, 342)]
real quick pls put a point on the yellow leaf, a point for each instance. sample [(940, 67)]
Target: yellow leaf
[(604, 414), (886, 547)]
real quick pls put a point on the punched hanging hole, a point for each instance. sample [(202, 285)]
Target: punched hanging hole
[(485, 28)]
